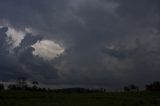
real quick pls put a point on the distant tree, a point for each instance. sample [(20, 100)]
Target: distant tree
[(155, 86), (1, 86), (134, 87), (12, 87), (149, 87), (126, 88), (35, 84), (22, 83), (131, 88), (102, 90)]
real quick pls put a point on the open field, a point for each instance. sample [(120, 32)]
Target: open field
[(31, 98)]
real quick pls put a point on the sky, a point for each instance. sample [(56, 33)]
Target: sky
[(86, 43)]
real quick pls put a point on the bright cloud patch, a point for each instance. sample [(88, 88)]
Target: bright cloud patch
[(14, 37), (47, 49)]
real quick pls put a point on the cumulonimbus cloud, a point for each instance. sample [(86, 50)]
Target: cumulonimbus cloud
[(108, 42)]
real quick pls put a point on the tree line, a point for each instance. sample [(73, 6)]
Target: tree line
[(155, 86), (21, 84)]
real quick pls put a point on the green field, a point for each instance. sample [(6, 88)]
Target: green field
[(31, 98)]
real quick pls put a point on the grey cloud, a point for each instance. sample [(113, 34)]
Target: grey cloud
[(22, 63), (9, 67), (86, 28), (120, 53), (38, 69), (26, 43), (3, 38)]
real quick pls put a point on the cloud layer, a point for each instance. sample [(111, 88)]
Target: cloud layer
[(101, 42)]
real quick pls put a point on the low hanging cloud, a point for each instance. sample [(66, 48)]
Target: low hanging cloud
[(14, 37), (20, 60), (105, 42), (47, 49)]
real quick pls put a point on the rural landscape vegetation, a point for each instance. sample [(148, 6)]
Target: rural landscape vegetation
[(20, 94)]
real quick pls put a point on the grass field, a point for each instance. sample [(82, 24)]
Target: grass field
[(31, 98)]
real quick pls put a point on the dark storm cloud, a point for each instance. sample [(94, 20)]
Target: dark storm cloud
[(22, 63), (108, 42), (37, 68), (9, 67)]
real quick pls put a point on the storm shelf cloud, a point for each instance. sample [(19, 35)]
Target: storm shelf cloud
[(80, 42)]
